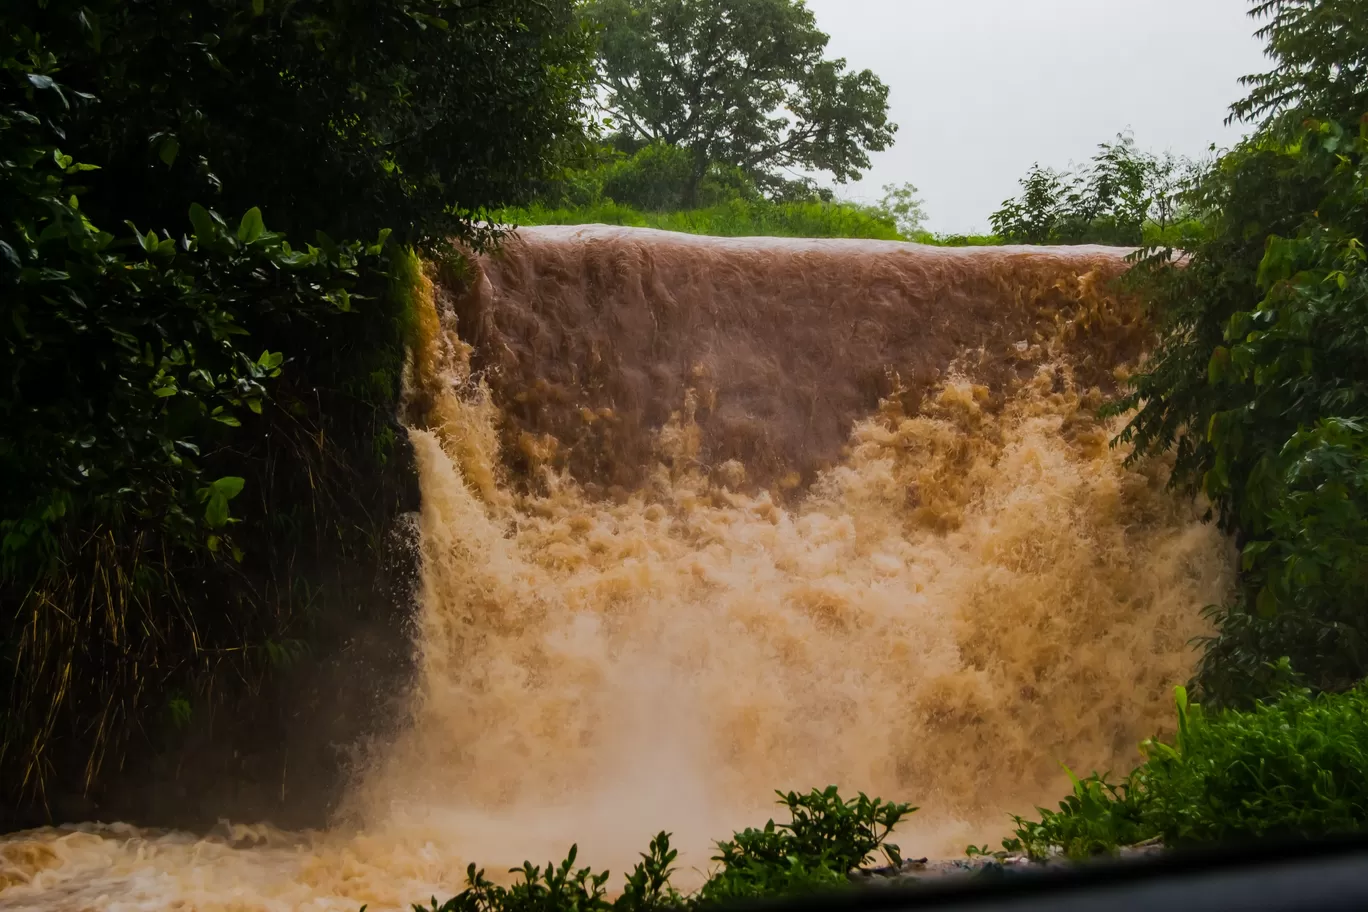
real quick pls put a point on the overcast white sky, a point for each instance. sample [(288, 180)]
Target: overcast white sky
[(982, 88)]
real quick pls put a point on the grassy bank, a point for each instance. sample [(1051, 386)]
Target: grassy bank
[(745, 218)]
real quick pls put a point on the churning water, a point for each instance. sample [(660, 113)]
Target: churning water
[(705, 518)]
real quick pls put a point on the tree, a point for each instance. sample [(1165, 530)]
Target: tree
[(741, 83), (175, 385), (1110, 200), (416, 115), (1258, 386), (1171, 177), (1322, 63), (1111, 197), (1031, 217), (903, 206)]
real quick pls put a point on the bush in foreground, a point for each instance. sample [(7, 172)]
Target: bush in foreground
[(826, 837), (1293, 767)]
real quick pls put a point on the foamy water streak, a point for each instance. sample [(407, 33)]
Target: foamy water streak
[(969, 591)]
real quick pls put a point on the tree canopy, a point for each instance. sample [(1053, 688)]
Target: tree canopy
[(740, 83), (1258, 386), (189, 397), (1109, 200)]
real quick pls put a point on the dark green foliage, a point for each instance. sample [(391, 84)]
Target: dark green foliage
[(1321, 62), (1293, 767), (826, 838), (1031, 218), (656, 178), (342, 117), (744, 85), (1259, 382), (190, 406), (565, 888), (127, 360), (1113, 200)]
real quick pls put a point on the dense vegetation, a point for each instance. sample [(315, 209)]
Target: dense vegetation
[(1122, 196), (646, 189), (740, 86), (707, 114), (1290, 767), (190, 395), (1258, 385)]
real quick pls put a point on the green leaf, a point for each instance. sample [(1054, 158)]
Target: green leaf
[(251, 226), (379, 244), (229, 420), (258, 7), (228, 487), (1219, 365), (205, 229), (328, 245), (216, 512), (91, 24), (1267, 603), (168, 150)]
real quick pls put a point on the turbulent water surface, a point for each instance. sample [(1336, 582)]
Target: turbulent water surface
[(703, 518)]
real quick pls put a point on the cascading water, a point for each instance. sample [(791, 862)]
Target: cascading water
[(704, 518)]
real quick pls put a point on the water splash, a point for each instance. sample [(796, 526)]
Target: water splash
[(702, 519)]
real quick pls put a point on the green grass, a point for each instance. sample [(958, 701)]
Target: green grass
[(745, 218), (1294, 767)]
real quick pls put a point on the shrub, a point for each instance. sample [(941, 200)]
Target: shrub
[(1257, 385), (1293, 767), (826, 837), (189, 404)]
